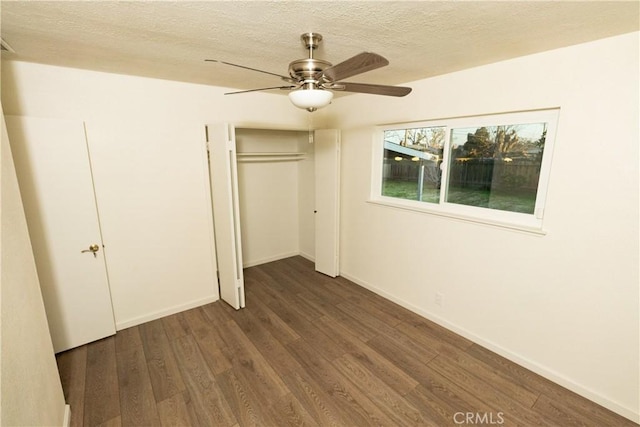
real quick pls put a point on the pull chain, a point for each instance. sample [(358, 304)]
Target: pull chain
[(310, 127)]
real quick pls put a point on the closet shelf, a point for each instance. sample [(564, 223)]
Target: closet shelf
[(270, 157)]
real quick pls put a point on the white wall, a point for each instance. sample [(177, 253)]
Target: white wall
[(564, 304), (146, 140), (30, 389)]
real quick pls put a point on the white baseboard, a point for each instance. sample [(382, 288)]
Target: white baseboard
[(516, 358), (162, 313), (253, 263), (66, 422), (307, 256)]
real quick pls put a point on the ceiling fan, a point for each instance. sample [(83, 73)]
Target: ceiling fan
[(311, 80)]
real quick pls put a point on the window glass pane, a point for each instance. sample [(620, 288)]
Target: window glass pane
[(411, 163), (496, 167)]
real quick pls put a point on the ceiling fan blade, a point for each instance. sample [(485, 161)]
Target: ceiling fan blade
[(285, 78), (373, 89), (262, 88), (362, 62)]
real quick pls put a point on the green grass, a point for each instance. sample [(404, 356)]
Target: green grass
[(512, 201), (409, 190)]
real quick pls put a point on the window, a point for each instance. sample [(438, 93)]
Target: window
[(412, 160), (487, 168)]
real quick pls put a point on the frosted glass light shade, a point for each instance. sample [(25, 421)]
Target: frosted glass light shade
[(310, 98)]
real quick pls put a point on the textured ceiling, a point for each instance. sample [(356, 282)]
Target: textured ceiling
[(170, 40)]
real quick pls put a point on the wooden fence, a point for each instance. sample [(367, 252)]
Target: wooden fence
[(474, 173)]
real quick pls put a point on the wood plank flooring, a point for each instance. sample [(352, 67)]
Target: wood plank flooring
[(307, 350)]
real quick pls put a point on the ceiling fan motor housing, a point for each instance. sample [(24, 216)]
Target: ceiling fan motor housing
[(307, 69)]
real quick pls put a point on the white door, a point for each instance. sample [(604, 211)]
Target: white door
[(54, 173), (226, 212), (327, 212)]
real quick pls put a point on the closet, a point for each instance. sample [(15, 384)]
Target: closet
[(276, 188), (283, 190)]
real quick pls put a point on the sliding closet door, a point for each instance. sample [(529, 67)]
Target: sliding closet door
[(226, 212), (327, 177)]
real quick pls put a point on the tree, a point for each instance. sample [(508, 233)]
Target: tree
[(506, 139), (436, 138), (479, 144), (427, 137), (492, 142), (540, 143)]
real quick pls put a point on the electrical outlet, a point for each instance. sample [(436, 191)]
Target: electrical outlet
[(439, 299)]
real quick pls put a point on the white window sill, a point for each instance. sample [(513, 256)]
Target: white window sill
[(410, 206)]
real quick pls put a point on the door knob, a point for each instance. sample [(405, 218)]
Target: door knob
[(93, 248)]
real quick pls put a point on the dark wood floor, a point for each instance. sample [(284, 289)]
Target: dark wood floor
[(308, 350)]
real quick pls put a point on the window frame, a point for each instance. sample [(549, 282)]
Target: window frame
[(513, 220)]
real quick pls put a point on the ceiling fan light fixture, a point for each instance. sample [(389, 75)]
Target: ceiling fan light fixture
[(310, 99)]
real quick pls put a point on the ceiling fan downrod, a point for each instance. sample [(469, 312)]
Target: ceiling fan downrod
[(311, 41)]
